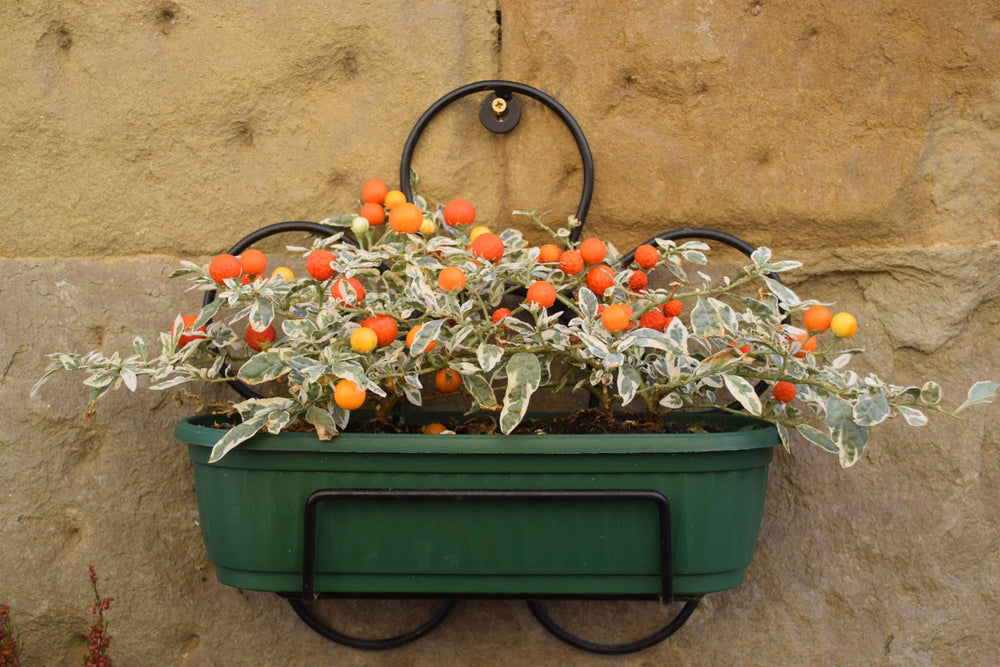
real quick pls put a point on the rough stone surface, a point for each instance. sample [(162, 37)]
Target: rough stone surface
[(860, 138)]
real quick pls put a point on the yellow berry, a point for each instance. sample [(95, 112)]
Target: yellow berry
[(363, 340), (283, 272), (843, 325)]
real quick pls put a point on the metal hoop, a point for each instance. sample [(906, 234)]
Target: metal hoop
[(503, 90), (239, 386), (308, 615), (708, 235), (542, 615)]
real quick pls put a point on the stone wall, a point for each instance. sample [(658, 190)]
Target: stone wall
[(862, 138)]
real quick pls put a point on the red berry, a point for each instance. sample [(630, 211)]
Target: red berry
[(784, 391), (637, 281), (673, 308)]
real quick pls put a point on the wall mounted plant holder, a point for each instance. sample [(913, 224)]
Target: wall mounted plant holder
[(528, 517)]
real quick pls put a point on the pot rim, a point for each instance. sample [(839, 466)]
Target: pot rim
[(747, 434)]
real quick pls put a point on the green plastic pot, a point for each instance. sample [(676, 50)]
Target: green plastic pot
[(252, 510)]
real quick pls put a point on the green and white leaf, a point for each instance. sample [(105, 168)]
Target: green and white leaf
[(871, 409), (848, 437), (930, 393), (817, 437), (912, 416), (236, 435), (629, 381), (980, 392), (743, 392), (523, 376), (488, 356), (707, 318), (481, 389), (786, 297)]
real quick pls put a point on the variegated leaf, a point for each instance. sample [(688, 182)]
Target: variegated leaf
[(705, 319), (236, 435), (871, 409), (912, 416), (980, 392), (629, 381), (817, 437), (786, 297), (481, 390), (488, 356), (743, 392), (849, 438), (523, 377)]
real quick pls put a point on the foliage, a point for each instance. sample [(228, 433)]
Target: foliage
[(10, 641), (98, 639), (731, 344)]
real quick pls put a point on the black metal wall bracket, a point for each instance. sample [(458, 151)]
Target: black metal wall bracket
[(304, 605), (500, 112)]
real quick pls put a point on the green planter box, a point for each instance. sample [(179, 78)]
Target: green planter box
[(252, 510)]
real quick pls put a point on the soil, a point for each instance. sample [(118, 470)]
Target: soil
[(591, 420)]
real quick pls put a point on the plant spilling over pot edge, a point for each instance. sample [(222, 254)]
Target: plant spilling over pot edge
[(427, 300)]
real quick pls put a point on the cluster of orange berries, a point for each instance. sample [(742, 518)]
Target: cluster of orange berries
[(817, 320), (599, 278), (381, 203)]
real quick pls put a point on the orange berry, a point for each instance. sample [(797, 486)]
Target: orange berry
[(616, 317), (373, 213), (646, 256), (673, 308), (593, 250), (223, 267), (489, 246), (570, 262), (258, 339), (783, 391), (499, 314), (412, 335), (653, 319), (374, 191), (318, 264), (447, 380), (434, 428), (542, 293), (394, 198), (549, 252), (338, 292), (186, 337), (253, 262), (817, 318), (406, 218), (637, 281), (384, 327), (451, 278), (459, 212), (600, 278), (348, 395), (808, 344)]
